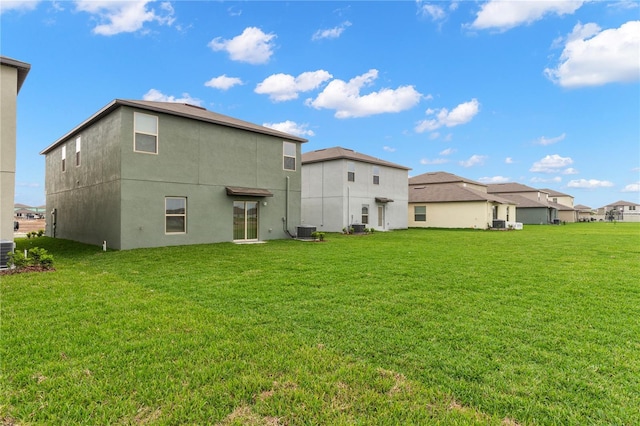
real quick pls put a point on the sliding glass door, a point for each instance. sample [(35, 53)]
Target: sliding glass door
[(245, 220)]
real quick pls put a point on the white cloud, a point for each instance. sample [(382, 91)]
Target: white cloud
[(544, 141), (389, 149), (551, 164), (508, 160), (22, 6), (291, 127), (447, 151), (474, 160), (536, 179), (223, 82), (494, 179), (334, 32), (117, 17), (252, 46), (158, 96), (589, 183), (504, 15), (346, 99), (592, 57), (426, 161), (284, 87), (570, 171), (461, 114), (632, 187), (433, 11)]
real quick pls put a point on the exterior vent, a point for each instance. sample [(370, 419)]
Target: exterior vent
[(6, 247), (305, 232)]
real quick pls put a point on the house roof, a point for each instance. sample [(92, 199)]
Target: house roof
[(555, 193), (451, 192), (177, 109), (524, 202), (339, 153), (581, 207), (499, 188), (440, 177), (22, 67), (252, 192), (622, 203)]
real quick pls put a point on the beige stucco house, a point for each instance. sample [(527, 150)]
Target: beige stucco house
[(534, 207), (625, 211), (564, 203), (12, 76), (444, 200)]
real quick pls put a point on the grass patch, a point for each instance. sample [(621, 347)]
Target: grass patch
[(538, 326)]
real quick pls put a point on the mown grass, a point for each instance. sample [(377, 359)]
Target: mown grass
[(536, 327)]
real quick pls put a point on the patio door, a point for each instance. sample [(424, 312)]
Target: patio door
[(245, 220)]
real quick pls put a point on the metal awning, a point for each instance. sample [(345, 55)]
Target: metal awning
[(248, 192), (383, 200)]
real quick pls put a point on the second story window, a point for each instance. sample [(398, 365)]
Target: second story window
[(64, 158), (288, 155), (376, 175), (145, 137), (78, 144), (351, 171)]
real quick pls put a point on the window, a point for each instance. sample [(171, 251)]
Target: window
[(420, 213), (78, 143), (632, 207), (351, 171), (64, 158), (507, 213), (376, 175), (145, 133), (175, 211), (288, 155), (365, 214)]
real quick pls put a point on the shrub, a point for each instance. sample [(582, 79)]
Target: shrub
[(40, 232), (318, 235), (18, 259), (36, 256)]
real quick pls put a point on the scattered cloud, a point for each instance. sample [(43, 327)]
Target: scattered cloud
[(117, 17), (551, 164), (504, 15), (447, 151), (494, 179), (570, 171), (461, 114), (544, 141), (21, 6), (223, 82), (632, 187), (389, 149), (508, 160), (426, 161), (291, 127), (285, 87), (334, 32), (474, 160), (589, 183), (252, 46), (345, 97), (158, 96), (537, 179), (434, 11), (592, 57)]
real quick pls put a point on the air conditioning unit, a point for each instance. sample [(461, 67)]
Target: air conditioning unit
[(499, 224), (304, 232), (6, 247), (358, 228)]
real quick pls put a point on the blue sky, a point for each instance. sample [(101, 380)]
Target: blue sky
[(546, 94)]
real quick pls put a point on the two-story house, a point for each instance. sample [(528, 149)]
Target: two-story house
[(564, 203), (534, 207), (148, 174), (341, 188), (445, 200)]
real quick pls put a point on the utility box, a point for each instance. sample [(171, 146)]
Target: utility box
[(305, 232), (358, 228), (6, 247), (499, 224)]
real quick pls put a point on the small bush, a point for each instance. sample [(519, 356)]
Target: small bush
[(318, 235), (36, 257), (40, 232), (17, 259)]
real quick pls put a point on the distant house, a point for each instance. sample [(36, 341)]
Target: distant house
[(12, 75), (566, 210), (626, 211), (444, 200), (534, 207), (341, 188), (149, 174), (585, 213)]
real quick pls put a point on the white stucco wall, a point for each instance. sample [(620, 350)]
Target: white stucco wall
[(8, 94)]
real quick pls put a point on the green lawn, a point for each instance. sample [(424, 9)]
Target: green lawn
[(532, 327)]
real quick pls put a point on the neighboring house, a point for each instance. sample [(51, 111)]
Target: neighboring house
[(12, 76), (585, 213), (341, 187), (444, 200), (534, 207), (149, 174), (566, 210), (626, 211)]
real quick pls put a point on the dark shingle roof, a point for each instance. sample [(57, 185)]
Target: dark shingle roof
[(450, 192), (501, 188), (339, 153), (177, 109), (440, 177)]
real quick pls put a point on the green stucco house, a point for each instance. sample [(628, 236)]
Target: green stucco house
[(149, 174)]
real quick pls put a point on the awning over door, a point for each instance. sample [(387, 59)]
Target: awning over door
[(248, 192), (383, 200)]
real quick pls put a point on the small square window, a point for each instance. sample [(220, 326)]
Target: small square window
[(420, 213)]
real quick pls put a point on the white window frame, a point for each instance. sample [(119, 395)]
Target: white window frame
[(365, 214), (415, 213), (168, 215), (351, 171), (146, 133), (376, 175), (64, 158), (287, 147), (78, 147)]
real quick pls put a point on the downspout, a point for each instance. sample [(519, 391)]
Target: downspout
[(285, 219)]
